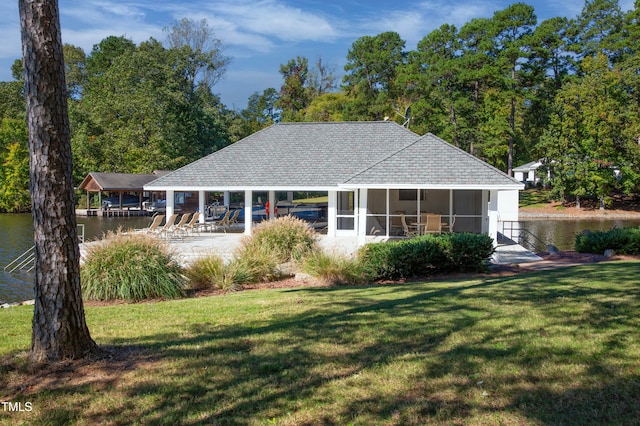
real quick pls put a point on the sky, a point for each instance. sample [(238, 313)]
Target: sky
[(261, 35)]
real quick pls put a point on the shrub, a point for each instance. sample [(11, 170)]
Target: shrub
[(288, 237), (211, 271), (334, 268), (621, 240), (425, 255), (130, 267), (470, 252)]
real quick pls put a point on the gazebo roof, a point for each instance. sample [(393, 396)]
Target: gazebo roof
[(333, 155), (96, 181)]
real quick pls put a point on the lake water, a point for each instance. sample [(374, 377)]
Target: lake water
[(16, 236)]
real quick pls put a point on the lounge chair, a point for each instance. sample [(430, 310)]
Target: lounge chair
[(233, 219), (223, 222), (167, 229), (193, 225), (155, 224), (180, 227)]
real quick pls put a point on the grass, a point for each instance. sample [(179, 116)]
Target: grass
[(534, 198), (550, 347)]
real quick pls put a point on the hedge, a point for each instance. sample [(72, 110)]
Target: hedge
[(427, 255)]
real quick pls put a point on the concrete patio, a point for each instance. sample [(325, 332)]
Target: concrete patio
[(190, 248)]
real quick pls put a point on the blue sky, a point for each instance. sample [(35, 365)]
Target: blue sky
[(261, 35)]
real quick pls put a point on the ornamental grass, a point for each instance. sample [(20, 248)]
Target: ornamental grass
[(130, 267)]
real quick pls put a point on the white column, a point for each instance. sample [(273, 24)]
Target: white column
[(332, 222), (171, 202), (225, 198), (201, 206), (248, 212), (272, 205), (362, 216), (388, 209), (492, 215)]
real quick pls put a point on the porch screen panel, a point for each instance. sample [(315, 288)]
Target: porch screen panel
[(346, 211), (377, 212), (467, 207)]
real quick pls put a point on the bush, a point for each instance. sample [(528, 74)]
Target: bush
[(130, 267), (621, 240), (287, 237), (426, 255), (211, 271), (334, 268), (470, 252)]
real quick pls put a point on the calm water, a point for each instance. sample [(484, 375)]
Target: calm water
[(16, 236)]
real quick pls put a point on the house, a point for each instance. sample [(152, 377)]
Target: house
[(527, 173), (370, 174)]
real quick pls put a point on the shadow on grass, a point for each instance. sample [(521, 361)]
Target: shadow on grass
[(555, 347)]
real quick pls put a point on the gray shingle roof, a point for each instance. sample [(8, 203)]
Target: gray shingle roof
[(431, 161), (118, 181), (332, 154)]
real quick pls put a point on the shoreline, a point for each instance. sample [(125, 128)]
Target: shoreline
[(576, 214)]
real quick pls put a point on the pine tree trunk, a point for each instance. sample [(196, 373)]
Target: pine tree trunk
[(59, 327)]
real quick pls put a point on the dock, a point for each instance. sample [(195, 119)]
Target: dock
[(112, 212)]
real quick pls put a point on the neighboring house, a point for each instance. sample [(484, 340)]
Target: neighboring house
[(370, 172), (118, 190), (528, 173)]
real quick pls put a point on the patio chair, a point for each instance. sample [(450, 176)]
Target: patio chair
[(157, 220), (167, 229), (193, 225), (223, 222), (449, 226), (409, 230), (431, 223), (180, 227), (234, 217)]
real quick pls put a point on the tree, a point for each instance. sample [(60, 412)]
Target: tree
[(371, 71), (206, 61), (294, 94), (321, 79), (513, 27), (14, 166), (433, 86), (260, 112), (143, 112), (598, 29), (593, 132), (59, 327)]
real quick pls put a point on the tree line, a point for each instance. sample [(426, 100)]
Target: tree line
[(506, 89)]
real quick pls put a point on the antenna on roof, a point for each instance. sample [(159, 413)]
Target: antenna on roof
[(406, 116)]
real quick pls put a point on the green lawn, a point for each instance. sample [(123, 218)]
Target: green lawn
[(553, 347)]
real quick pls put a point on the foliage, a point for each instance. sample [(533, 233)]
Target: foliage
[(335, 268), (470, 252), (621, 240), (287, 237), (211, 271), (592, 133), (14, 166), (130, 267), (427, 255)]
